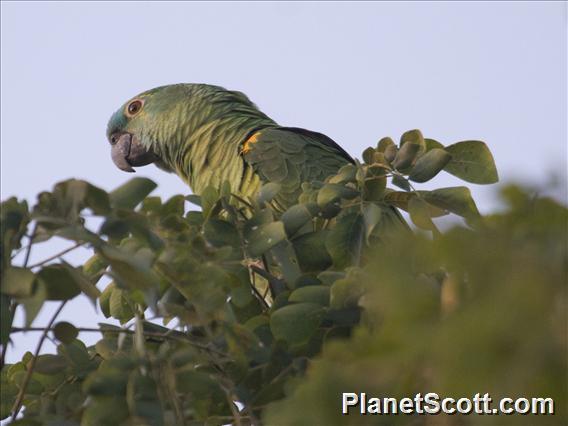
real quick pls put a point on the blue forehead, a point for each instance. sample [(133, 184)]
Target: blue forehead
[(117, 122)]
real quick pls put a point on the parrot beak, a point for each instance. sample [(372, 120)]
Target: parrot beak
[(127, 151)]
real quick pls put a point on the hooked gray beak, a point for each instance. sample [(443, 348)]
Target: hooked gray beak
[(127, 151)]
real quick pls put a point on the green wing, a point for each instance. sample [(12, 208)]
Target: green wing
[(289, 156)]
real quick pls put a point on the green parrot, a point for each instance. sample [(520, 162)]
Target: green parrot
[(207, 135)]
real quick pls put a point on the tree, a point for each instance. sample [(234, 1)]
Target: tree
[(268, 318)]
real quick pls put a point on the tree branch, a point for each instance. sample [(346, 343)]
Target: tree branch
[(55, 256), (29, 248), (178, 338), (18, 403)]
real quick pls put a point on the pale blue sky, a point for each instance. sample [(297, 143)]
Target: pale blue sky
[(355, 71)]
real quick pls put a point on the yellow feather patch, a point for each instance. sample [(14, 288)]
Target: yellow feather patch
[(249, 141)]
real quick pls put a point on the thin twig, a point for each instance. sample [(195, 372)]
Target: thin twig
[(18, 251), (266, 290), (234, 411), (435, 231), (246, 203), (69, 379), (18, 404), (176, 338), (262, 272), (55, 256), (14, 303), (29, 249), (268, 277), (259, 296), (229, 417)]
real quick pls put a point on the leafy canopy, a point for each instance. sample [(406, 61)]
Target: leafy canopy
[(230, 313)]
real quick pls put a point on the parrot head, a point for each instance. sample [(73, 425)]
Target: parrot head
[(160, 125), (133, 131)]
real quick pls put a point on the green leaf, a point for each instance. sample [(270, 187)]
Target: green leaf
[(199, 385), (413, 136), (368, 155), (106, 410), (18, 282), (379, 159), (143, 400), (111, 377), (384, 144), (119, 306), (222, 233), (194, 199), (262, 217), (432, 144), (241, 296), (329, 277), (374, 188), (306, 280), (138, 337), (263, 237), (97, 200), (296, 323), (371, 216), (406, 156), (260, 326), (420, 214), (295, 218), (209, 199), (345, 174), (457, 200), (345, 293), (318, 294), (390, 152), (94, 268), (14, 219), (151, 205), (473, 162), (115, 228), (65, 332), (76, 352), (399, 199), (33, 304), (50, 364), (174, 205), (6, 318), (130, 194), (429, 165), (59, 284), (194, 218), (79, 234), (132, 270), (285, 257), (104, 299), (311, 251), (332, 192), (401, 182), (345, 241), (268, 191), (83, 283)]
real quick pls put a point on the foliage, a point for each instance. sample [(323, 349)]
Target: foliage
[(268, 317)]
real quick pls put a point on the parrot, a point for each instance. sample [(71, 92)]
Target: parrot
[(208, 135)]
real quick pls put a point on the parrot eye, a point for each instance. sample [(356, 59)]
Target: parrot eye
[(134, 107)]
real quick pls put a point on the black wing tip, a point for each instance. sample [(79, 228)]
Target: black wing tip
[(326, 140)]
